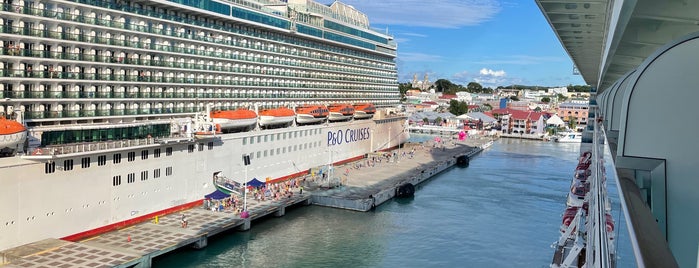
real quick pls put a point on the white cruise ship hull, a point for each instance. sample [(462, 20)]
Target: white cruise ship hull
[(84, 201)]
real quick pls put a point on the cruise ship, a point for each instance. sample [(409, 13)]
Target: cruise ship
[(641, 58), (116, 111)]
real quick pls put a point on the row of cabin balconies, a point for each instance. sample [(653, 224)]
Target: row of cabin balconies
[(219, 67), (60, 94), (279, 85), (322, 54)]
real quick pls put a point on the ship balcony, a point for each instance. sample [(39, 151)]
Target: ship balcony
[(111, 41)]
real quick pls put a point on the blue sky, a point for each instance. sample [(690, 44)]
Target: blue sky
[(493, 42)]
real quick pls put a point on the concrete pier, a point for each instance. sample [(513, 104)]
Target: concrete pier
[(137, 245), (370, 186)]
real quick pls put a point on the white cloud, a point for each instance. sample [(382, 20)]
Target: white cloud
[(486, 77), (489, 72), (426, 13)]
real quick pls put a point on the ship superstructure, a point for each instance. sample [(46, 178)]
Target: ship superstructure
[(115, 98)]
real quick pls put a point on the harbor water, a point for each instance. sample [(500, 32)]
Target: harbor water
[(504, 210)]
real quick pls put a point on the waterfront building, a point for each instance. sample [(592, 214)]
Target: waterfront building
[(577, 111), (113, 98)]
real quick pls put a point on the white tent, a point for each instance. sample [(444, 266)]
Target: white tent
[(555, 120)]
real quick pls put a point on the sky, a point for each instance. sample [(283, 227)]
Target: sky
[(492, 42)]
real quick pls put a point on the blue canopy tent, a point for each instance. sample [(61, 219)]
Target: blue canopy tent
[(216, 195), (255, 183)]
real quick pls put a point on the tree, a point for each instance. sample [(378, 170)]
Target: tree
[(561, 97), (458, 107), (488, 107), (572, 122), (438, 121), (474, 87), (425, 120), (546, 99), (537, 109), (403, 88), (442, 85)]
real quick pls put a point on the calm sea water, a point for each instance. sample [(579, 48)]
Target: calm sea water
[(504, 210)]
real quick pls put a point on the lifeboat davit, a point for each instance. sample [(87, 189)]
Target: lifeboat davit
[(340, 112), (240, 119), (12, 135), (279, 117), (364, 110), (311, 114)]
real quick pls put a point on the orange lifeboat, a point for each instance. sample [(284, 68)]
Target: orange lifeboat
[(364, 110), (240, 119), (12, 135), (281, 116), (340, 112), (311, 114)]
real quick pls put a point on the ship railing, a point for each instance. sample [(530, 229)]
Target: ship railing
[(57, 150), (646, 240)]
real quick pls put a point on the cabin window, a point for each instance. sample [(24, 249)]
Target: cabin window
[(116, 180), (68, 164), (117, 158), (156, 173), (156, 153), (50, 167), (201, 147), (259, 154), (168, 171), (190, 148), (144, 175), (101, 160), (168, 151), (245, 141), (85, 162), (131, 178), (211, 145), (144, 154), (132, 156)]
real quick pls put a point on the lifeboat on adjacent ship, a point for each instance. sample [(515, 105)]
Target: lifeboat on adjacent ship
[(364, 110), (311, 114), (240, 119), (279, 117), (340, 112), (12, 135)]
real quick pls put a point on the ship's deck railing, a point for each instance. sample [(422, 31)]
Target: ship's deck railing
[(600, 251), (65, 149)]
